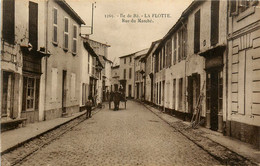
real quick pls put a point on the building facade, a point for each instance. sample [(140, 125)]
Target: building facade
[(149, 73), (22, 49), (126, 74), (243, 84), (139, 76), (104, 85), (63, 66), (115, 78)]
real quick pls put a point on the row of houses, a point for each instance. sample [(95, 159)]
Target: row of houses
[(48, 68), (211, 52)]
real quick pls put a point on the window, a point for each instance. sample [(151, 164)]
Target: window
[(33, 24), (54, 83), (8, 21), (175, 49), (73, 86), (55, 26), (233, 7), (124, 73), (239, 6), (88, 63), (220, 90), (180, 45), (66, 33), (74, 46), (7, 92), (30, 93), (130, 59), (174, 94), (180, 93), (93, 65), (214, 22), (163, 54), (130, 73), (169, 53), (124, 60), (197, 32)]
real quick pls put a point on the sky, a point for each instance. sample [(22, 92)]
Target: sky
[(112, 22)]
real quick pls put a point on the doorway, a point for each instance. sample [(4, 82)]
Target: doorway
[(64, 81), (214, 96), (130, 91)]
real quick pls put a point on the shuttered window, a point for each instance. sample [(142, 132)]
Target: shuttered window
[(175, 49), (33, 24), (197, 32), (66, 33), (124, 73), (180, 93), (74, 46), (214, 22), (8, 21), (55, 25), (130, 73)]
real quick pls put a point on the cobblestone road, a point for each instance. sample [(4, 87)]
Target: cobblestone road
[(134, 136)]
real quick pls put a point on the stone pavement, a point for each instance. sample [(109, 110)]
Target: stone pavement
[(132, 136), (14, 138), (222, 147)]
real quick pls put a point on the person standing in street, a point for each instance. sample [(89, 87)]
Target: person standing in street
[(89, 105)]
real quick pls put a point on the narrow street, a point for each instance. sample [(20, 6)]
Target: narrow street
[(134, 136)]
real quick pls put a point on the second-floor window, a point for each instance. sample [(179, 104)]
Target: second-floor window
[(124, 73), (174, 49), (55, 26), (182, 39), (124, 60), (66, 33), (8, 21), (214, 30), (75, 39), (239, 6), (169, 53), (33, 24), (130, 73), (197, 32), (130, 59)]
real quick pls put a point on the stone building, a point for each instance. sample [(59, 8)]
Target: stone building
[(149, 73), (126, 74), (139, 67), (104, 84), (62, 68), (192, 58), (243, 111), (90, 72), (115, 78), (22, 48)]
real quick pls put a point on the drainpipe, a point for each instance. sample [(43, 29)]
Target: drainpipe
[(46, 57)]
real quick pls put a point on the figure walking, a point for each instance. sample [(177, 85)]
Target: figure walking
[(116, 97), (89, 105)]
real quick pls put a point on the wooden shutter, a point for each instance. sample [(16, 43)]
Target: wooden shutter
[(214, 22), (197, 32), (33, 24), (24, 93), (37, 93), (8, 20)]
